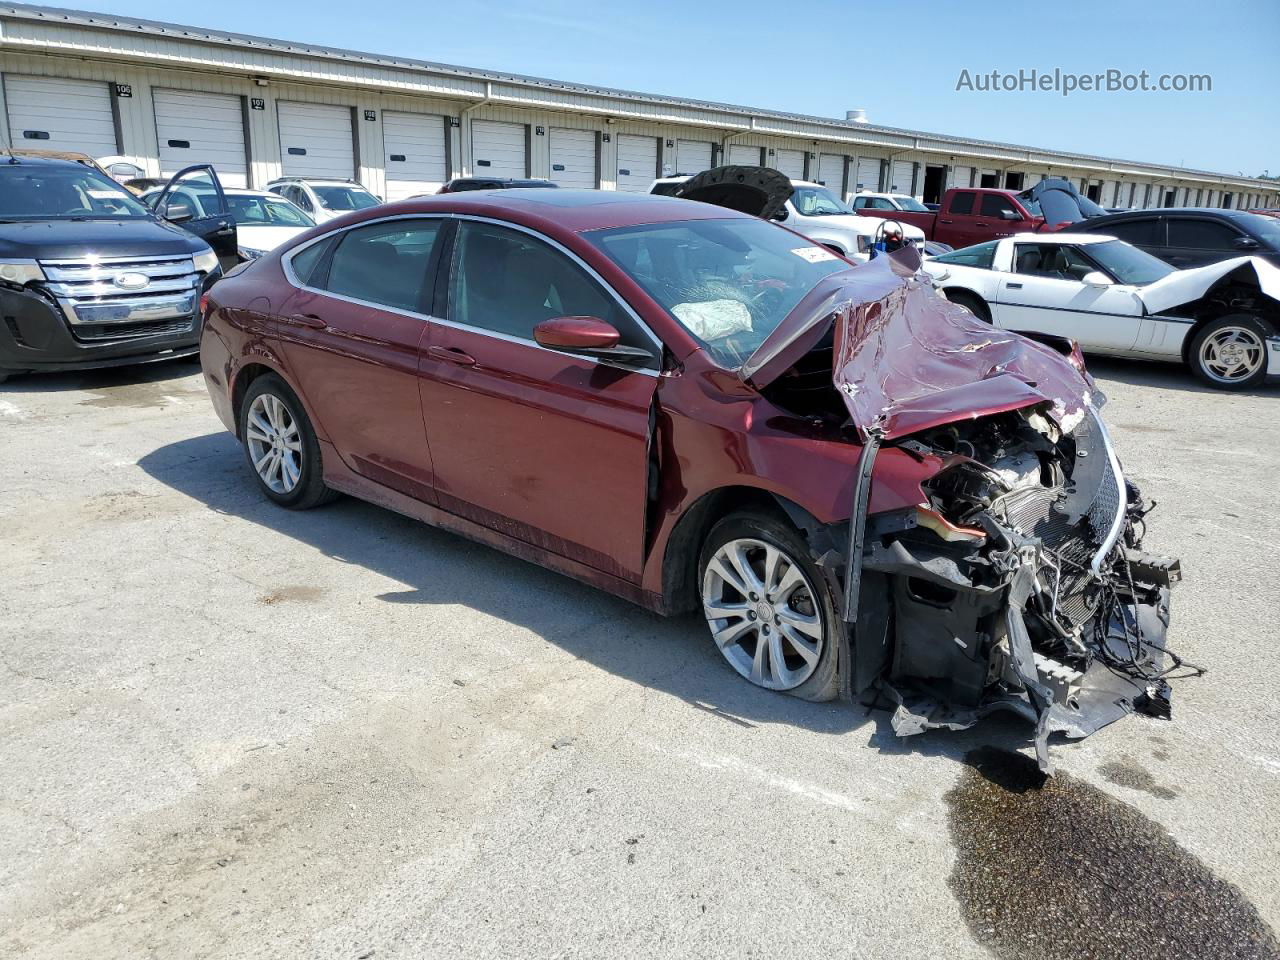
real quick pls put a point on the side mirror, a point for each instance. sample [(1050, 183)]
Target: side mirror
[(1010, 215), (1096, 278), (1245, 243), (588, 335), (178, 213), (780, 215)]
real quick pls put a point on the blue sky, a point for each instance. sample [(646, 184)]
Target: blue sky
[(898, 60)]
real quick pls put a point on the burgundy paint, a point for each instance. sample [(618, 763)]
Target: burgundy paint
[(543, 453)]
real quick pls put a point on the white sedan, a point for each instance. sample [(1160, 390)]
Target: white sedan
[(1222, 320), (263, 220)]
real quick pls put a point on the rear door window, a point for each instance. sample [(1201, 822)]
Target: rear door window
[(962, 203), (386, 264), (1141, 233)]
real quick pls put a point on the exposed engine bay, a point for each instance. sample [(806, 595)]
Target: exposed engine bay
[(1021, 585), (1020, 582)]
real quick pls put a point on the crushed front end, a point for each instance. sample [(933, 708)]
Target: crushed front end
[(1019, 582), (1019, 585)]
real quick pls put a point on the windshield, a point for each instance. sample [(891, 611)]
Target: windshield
[(345, 198), (911, 203), (30, 192), (816, 202), (1128, 264), (728, 282), (266, 212)]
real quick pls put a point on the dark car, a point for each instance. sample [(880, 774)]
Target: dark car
[(91, 277), (462, 184), (1192, 236), (858, 485)]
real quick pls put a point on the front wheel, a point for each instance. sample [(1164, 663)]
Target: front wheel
[(281, 446), (769, 608), (1230, 353)]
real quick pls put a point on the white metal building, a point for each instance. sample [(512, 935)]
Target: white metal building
[(167, 95)]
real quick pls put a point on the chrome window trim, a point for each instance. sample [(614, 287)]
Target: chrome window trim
[(286, 263)]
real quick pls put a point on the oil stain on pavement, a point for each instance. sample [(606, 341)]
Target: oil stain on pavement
[(1058, 870)]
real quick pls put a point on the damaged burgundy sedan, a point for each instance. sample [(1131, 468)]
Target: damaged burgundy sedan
[(864, 491)]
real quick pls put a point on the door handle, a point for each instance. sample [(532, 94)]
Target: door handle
[(979, 223), (224, 229), (452, 355), (945, 221), (305, 320), (1013, 286)]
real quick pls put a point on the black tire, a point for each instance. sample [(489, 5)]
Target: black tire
[(1254, 330), (309, 490), (971, 302), (822, 683)]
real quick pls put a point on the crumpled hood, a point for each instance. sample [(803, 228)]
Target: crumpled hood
[(1184, 286), (906, 359), (759, 191)]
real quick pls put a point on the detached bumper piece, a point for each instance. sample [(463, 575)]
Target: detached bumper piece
[(1045, 606)]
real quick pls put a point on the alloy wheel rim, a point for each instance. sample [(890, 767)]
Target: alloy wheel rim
[(763, 614), (275, 445), (1232, 354)]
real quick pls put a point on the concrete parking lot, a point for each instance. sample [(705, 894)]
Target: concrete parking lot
[(228, 730)]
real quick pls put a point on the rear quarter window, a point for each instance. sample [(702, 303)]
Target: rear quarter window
[(982, 255)]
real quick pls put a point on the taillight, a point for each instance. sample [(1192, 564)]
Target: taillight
[(204, 304)]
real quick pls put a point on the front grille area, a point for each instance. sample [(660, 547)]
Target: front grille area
[(1031, 512), (101, 332), (116, 298)]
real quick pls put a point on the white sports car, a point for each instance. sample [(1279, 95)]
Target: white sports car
[(1222, 320)]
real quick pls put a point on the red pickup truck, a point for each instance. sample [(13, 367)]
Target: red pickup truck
[(970, 215)]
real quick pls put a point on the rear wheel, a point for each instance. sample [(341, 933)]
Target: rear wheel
[(1230, 353), (281, 446), (768, 606), (971, 302)]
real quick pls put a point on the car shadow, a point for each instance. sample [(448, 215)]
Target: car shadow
[(672, 655), (1167, 376), (104, 378)]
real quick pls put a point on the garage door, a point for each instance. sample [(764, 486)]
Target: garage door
[(201, 128), (900, 177), (315, 140), (573, 158), (867, 178), (961, 177), (692, 156), (499, 149), (790, 162), (831, 172), (747, 156), (637, 163), (415, 157), (47, 113)]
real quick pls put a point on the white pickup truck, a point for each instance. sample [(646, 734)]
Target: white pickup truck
[(815, 212)]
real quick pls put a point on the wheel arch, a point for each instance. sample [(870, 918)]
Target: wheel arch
[(684, 545), (244, 378)]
